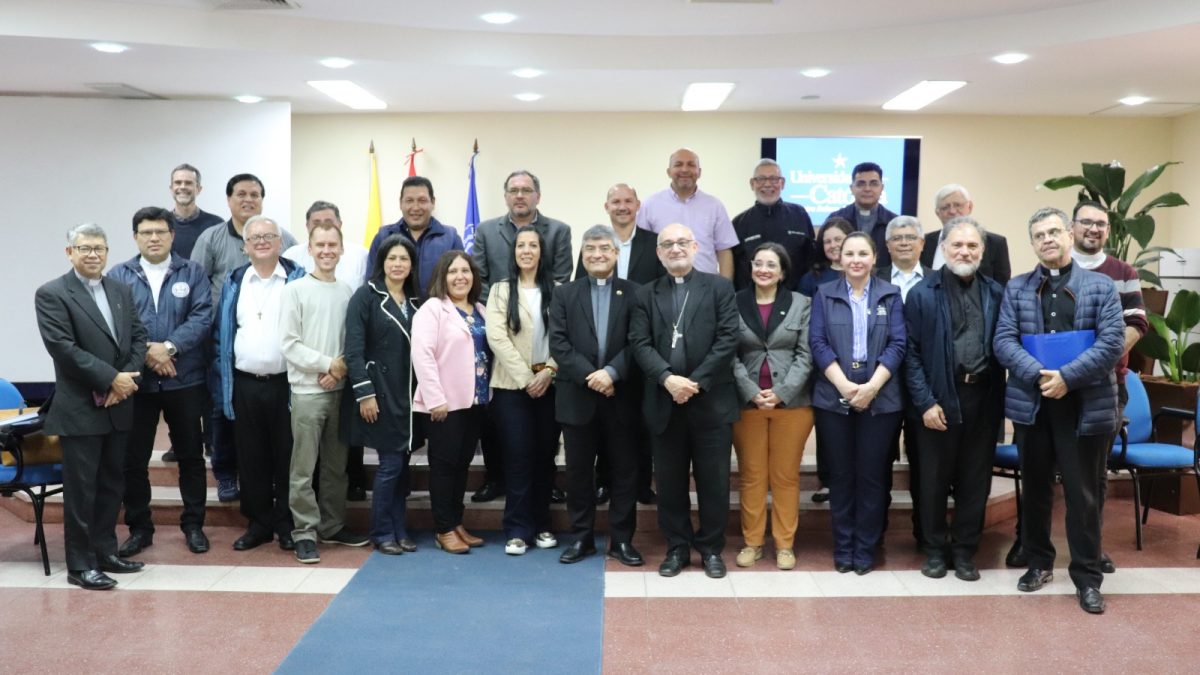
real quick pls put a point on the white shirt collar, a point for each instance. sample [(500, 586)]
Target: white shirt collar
[(1088, 262), (86, 281), (158, 267)]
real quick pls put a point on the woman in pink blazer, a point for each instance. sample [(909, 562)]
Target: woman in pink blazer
[(452, 361)]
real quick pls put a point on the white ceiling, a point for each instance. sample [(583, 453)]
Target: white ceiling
[(621, 55)]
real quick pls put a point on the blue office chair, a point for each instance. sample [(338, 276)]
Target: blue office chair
[(1007, 464), (1143, 457), (10, 397), (18, 476)]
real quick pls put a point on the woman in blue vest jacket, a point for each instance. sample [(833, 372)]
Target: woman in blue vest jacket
[(857, 337)]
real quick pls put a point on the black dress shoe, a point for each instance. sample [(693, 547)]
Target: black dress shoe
[(118, 565), (647, 496), (964, 569), (92, 580), (250, 540), (196, 541), (862, 570), (1034, 579), (557, 496), (625, 554), (286, 542), (677, 559), (1106, 564), (135, 544), (354, 493), (407, 545), (934, 567), (843, 567), (578, 551), (1090, 600), (488, 492), (389, 547), (1016, 556), (602, 495), (714, 567)]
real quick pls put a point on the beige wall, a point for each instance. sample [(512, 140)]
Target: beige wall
[(1185, 179), (578, 155)]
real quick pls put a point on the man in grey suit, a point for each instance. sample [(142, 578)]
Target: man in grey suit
[(493, 253), (91, 329)]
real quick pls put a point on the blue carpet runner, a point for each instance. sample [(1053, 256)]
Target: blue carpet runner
[(484, 612)]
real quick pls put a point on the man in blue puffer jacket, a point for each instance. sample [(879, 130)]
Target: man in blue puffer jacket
[(174, 302), (1064, 417)]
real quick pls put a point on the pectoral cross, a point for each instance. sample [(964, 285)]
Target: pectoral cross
[(260, 316), (675, 335)]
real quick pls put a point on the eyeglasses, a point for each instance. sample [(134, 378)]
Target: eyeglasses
[(88, 250), (150, 234), (952, 206), (268, 238), (520, 191), (598, 249), (1088, 223), (860, 184), (681, 244), (759, 180), (1052, 233), (904, 237)]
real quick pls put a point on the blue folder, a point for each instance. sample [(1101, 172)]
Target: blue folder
[(1055, 350)]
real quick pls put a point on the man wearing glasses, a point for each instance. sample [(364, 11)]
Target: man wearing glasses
[(772, 219), (219, 249), (684, 332), (867, 213), (91, 329), (904, 244), (952, 201), (254, 392), (1063, 417)]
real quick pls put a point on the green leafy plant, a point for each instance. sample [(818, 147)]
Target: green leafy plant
[(1168, 339), (1105, 183)]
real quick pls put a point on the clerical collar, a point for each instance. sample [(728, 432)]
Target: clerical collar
[(866, 212), (1088, 261), (596, 281), (1065, 270), (685, 278), (86, 281)]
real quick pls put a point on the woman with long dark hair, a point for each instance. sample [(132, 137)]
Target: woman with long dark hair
[(523, 397), (453, 366), (378, 357), (827, 266)]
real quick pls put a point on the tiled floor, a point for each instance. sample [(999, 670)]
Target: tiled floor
[(233, 612)]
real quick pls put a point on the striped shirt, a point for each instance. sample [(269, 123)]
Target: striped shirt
[(1129, 290)]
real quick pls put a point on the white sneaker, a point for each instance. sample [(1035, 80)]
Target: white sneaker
[(546, 540), (515, 547)]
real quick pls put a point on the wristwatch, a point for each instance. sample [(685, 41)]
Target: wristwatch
[(171, 351)]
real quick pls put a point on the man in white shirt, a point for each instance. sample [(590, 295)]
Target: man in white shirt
[(314, 333), (905, 242), (352, 267)]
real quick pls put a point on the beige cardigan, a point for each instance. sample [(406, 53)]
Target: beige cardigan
[(512, 352)]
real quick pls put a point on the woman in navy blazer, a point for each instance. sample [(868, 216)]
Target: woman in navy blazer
[(857, 337)]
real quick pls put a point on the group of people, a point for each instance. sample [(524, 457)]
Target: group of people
[(683, 333)]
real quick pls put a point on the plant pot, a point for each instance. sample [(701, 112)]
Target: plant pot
[(1155, 301)]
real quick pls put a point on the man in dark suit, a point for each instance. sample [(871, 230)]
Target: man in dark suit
[(866, 213), (589, 328), (91, 329), (684, 332), (953, 201), (637, 261)]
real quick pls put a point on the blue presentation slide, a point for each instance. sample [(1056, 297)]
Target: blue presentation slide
[(818, 170)]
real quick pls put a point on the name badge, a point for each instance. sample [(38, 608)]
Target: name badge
[(753, 237), (181, 289), (881, 311)]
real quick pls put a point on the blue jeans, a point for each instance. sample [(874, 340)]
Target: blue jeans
[(388, 504)]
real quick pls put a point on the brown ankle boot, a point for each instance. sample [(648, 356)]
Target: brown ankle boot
[(468, 538), (451, 543)]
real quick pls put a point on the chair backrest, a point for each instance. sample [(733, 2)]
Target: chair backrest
[(1137, 410), (10, 397)]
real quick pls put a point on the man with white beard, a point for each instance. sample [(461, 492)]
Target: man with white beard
[(957, 386)]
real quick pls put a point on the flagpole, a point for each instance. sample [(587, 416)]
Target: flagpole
[(471, 221)]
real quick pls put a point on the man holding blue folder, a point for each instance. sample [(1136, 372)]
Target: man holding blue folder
[(1063, 416)]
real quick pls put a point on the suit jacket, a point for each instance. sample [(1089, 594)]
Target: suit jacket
[(782, 344), (86, 356), (644, 265), (710, 327), (574, 345), (994, 264), (512, 367), (493, 249), (443, 357)]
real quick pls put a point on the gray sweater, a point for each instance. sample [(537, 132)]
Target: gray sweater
[(220, 249)]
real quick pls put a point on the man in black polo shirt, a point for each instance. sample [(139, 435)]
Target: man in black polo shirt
[(772, 219)]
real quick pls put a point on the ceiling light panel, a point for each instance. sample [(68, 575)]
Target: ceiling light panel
[(348, 94), (706, 95), (922, 94)]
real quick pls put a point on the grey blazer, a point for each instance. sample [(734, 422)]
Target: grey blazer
[(493, 249), (783, 343)]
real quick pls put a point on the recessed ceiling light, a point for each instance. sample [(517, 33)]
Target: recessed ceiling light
[(498, 18), (336, 62), (706, 95), (922, 94), (109, 47), (528, 97), (1134, 100), (528, 73), (348, 94), (248, 98), (1010, 58), (815, 72)]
